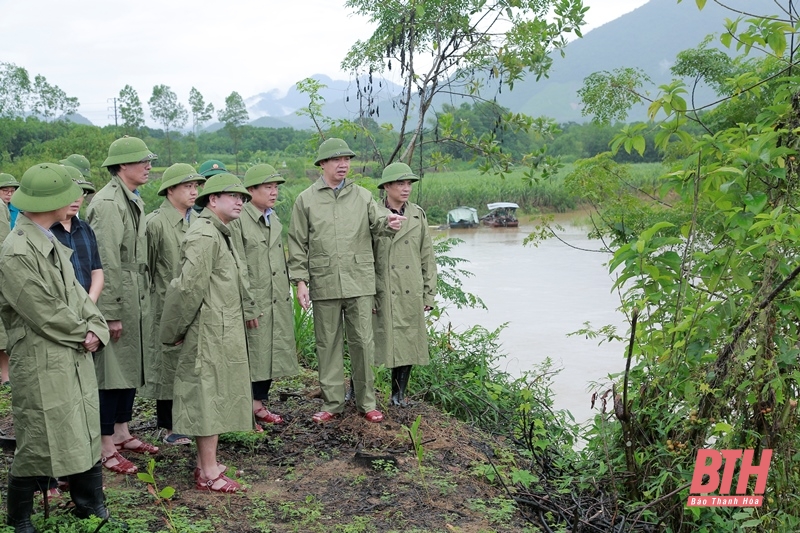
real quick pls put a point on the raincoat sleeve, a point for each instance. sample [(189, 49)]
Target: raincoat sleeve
[(185, 293), (44, 311), (298, 243), (153, 233), (106, 220), (428, 263), (249, 307), (378, 221)]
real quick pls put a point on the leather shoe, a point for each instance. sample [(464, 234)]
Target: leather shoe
[(374, 416), (323, 416)]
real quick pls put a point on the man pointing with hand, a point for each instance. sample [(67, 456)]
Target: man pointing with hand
[(331, 262)]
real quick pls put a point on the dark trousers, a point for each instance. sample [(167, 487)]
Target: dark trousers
[(164, 414), (116, 407), (261, 389)]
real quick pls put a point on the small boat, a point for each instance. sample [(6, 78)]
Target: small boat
[(463, 217), (501, 215)]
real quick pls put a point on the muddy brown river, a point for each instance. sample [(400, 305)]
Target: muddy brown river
[(544, 294)]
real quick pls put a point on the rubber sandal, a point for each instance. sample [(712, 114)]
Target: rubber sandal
[(265, 416), (229, 487), (123, 466), (323, 416), (174, 439), (143, 447), (219, 465)]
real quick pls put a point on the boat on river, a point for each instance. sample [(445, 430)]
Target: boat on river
[(463, 217), (501, 215)]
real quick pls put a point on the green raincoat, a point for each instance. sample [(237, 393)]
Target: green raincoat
[(166, 227), (203, 307), (47, 315), (5, 228), (117, 217), (330, 240), (271, 345), (406, 282)]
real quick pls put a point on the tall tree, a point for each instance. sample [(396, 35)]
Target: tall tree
[(50, 101), (15, 86), (201, 113), (234, 116), (167, 111), (445, 47), (130, 109)]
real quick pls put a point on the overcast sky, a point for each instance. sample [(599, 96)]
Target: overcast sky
[(92, 48)]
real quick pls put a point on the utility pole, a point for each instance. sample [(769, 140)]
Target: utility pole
[(115, 110)]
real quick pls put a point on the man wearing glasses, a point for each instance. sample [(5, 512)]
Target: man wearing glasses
[(116, 213), (203, 315)]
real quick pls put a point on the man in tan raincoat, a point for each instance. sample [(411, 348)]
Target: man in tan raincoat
[(330, 260), (203, 315), (116, 214), (270, 337), (53, 328), (166, 227), (8, 184), (406, 283)]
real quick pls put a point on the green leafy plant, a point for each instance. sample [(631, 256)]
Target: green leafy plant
[(162, 496)]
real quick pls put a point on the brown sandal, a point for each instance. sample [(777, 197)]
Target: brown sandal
[(123, 466), (229, 487)]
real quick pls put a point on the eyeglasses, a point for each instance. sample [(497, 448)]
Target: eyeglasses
[(235, 196)]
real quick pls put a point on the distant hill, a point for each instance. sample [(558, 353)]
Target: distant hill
[(648, 38)]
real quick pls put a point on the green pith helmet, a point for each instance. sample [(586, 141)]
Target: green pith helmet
[(7, 180), (396, 172), (128, 150), (212, 167), (77, 177), (45, 187), (262, 173), (331, 148), (177, 174), (221, 183), (79, 162)]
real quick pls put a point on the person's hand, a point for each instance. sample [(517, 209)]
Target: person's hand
[(252, 324), (91, 343), (428, 308), (395, 221), (115, 329), (302, 295)]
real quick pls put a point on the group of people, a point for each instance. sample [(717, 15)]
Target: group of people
[(194, 309)]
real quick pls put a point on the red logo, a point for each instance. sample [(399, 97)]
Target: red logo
[(699, 494)]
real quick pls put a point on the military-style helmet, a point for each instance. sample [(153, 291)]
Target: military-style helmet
[(177, 174), (212, 167), (397, 172), (262, 173), (331, 148), (128, 150), (221, 183), (45, 187), (77, 177), (79, 162), (7, 180)]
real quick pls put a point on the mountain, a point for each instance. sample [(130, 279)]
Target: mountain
[(648, 38)]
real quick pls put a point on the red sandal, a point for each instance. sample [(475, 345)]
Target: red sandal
[(265, 416), (123, 466), (229, 487), (219, 465), (143, 447)]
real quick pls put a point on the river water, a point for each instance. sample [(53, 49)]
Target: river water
[(543, 293)]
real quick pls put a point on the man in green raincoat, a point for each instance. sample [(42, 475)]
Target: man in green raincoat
[(116, 214), (405, 269), (8, 184), (53, 328), (330, 260), (166, 227), (270, 337), (203, 315)]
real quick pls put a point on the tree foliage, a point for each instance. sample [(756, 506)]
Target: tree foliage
[(167, 111), (130, 110), (20, 95), (201, 112), (441, 47), (707, 266), (234, 115)]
